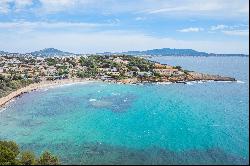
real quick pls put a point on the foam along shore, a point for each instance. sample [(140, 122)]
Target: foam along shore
[(40, 85)]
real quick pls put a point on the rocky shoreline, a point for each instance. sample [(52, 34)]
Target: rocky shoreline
[(190, 76)]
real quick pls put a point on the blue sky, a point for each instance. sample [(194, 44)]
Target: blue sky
[(89, 26)]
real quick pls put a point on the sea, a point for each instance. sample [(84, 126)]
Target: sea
[(108, 123)]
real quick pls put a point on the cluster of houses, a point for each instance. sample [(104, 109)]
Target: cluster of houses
[(68, 67), (29, 67), (166, 70)]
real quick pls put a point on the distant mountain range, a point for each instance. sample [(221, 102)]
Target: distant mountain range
[(168, 52), (50, 52), (171, 52), (47, 52)]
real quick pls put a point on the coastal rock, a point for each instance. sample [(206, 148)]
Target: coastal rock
[(195, 76)]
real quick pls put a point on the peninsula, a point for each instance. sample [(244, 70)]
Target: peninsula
[(19, 75)]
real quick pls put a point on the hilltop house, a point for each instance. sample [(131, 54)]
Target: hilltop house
[(119, 60), (114, 69), (130, 73), (160, 66), (113, 73), (103, 69)]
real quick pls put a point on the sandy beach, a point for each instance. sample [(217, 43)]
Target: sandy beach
[(44, 84)]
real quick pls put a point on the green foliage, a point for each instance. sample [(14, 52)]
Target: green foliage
[(12, 83), (63, 72), (90, 72), (51, 61), (8, 152), (89, 62), (12, 146), (27, 158), (7, 156), (48, 159), (177, 67), (157, 74), (142, 64), (2, 78), (80, 74), (186, 71), (10, 155)]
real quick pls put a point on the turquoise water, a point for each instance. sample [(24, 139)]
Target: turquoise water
[(101, 123)]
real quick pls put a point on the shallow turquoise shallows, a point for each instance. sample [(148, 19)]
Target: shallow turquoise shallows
[(101, 123)]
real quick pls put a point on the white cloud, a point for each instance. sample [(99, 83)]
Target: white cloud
[(140, 18), (170, 9), (186, 6), (231, 27), (53, 6), (18, 5), (224, 8), (57, 5), (244, 9), (4, 6), (27, 26), (218, 27), (47, 6), (62, 3), (228, 7), (191, 29), (233, 30), (244, 32)]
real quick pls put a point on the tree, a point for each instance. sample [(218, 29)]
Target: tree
[(2, 78), (51, 61), (8, 153), (48, 159), (177, 67), (7, 157), (28, 158), (12, 146)]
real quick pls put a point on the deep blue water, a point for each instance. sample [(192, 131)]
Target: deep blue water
[(101, 123)]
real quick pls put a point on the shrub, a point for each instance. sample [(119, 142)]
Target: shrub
[(48, 159), (28, 158), (12, 146), (8, 153)]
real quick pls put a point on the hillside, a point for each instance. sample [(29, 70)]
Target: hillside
[(49, 52)]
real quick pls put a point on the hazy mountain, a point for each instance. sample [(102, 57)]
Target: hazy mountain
[(168, 51), (49, 52), (3, 52), (176, 52)]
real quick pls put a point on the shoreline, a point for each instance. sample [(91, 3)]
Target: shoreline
[(48, 84), (36, 86)]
